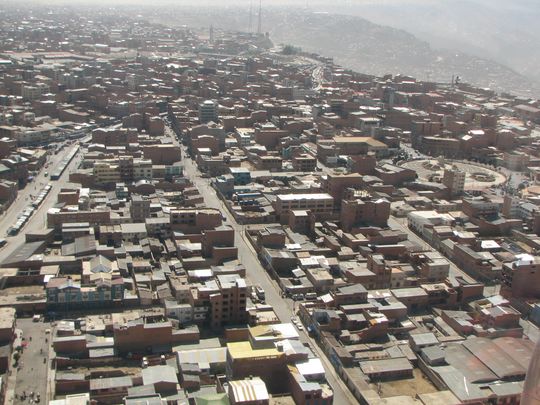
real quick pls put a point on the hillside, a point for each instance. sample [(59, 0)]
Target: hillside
[(357, 43)]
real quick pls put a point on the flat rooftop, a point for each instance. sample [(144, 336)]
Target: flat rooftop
[(244, 350)]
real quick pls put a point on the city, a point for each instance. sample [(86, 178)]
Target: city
[(200, 216)]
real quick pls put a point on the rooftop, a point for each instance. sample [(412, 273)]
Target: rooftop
[(244, 350)]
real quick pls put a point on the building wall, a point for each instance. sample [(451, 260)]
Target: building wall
[(56, 219), (368, 212), (138, 338), (270, 369), (521, 280), (322, 205)]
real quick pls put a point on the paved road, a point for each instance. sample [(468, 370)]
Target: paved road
[(32, 375), (38, 220), (256, 274)]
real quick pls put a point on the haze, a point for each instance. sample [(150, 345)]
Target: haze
[(500, 31)]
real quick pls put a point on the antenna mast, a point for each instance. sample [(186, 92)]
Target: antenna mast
[(250, 16), (259, 28)]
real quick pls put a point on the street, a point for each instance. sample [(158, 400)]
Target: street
[(33, 364), (257, 275), (38, 220)]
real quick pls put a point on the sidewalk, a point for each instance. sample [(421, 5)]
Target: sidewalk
[(12, 371)]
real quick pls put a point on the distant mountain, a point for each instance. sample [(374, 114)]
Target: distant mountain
[(501, 30), (356, 43)]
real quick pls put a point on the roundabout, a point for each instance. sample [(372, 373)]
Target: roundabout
[(476, 176)]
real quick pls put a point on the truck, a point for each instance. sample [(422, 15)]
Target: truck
[(260, 292)]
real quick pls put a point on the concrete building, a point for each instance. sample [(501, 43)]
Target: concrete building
[(359, 145), (521, 278), (422, 222), (192, 220), (320, 204), (478, 206), (243, 361), (454, 179), (364, 211), (304, 163), (223, 299), (337, 184), (208, 112), (106, 173), (139, 208)]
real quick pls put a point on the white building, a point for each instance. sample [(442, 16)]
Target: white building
[(182, 312), (420, 221)]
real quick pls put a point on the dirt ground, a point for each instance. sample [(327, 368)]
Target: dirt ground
[(22, 290), (286, 400), (410, 386), (97, 370)]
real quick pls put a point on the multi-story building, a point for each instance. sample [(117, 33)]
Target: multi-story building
[(64, 293), (142, 169), (454, 179), (56, 217), (244, 136), (317, 203), (515, 160), (521, 278), (125, 166), (208, 112), (193, 220), (359, 145), (162, 154), (241, 175), (481, 264), (478, 206), (304, 163), (422, 222), (106, 172), (437, 146), (432, 266), (364, 210), (144, 332), (336, 184), (114, 136), (223, 299), (139, 208), (29, 92)]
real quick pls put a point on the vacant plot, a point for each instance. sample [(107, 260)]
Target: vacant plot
[(419, 384)]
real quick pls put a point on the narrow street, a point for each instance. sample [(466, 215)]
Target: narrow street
[(455, 271)]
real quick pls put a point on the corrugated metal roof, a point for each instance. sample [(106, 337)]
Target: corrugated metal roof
[(208, 356), (248, 390)]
